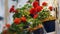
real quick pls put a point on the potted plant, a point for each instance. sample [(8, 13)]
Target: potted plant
[(30, 19)]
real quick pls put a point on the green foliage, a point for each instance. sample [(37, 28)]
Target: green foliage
[(34, 22), (31, 1), (18, 15), (23, 11), (27, 6), (43, 14), (18, 29)]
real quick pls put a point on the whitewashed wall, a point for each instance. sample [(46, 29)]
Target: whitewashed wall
[(21, 3), (1, 14)]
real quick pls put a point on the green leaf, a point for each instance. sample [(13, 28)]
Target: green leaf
[(21, 25), (17, 15)]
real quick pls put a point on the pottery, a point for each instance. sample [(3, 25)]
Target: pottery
[(49, 26), (39, 31)]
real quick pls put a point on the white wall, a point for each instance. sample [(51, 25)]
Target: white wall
[(1, 14)]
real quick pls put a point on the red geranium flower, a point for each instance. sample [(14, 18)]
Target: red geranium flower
[(17, 20), (39, 8), (23, 18), (50, 8), (5, 32), (33, 11), (7, 25), (44, 4), (12, 9), (35, 16), (35, 4)]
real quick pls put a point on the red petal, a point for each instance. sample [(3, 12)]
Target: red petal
[(39, 8), (50, 8), (35, 16), (33, 11), (17, 20), (23, 19), (7, 25), (12, 10), (44, 4), (35, 4)]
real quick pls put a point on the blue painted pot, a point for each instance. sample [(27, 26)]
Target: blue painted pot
[(49, 26), (39, 31)]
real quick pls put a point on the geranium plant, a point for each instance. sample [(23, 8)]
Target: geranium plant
[(29, 17)]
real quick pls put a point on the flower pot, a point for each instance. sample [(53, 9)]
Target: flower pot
[(39, 31), (49, 25)]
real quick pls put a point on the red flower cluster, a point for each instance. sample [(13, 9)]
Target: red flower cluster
[(23, 19), (35, 4), (39, 8), (44, 4), (50, 8), (17, 20), (36, 8), (33, 11), (12, 9), (7, 25), (35, 16)]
